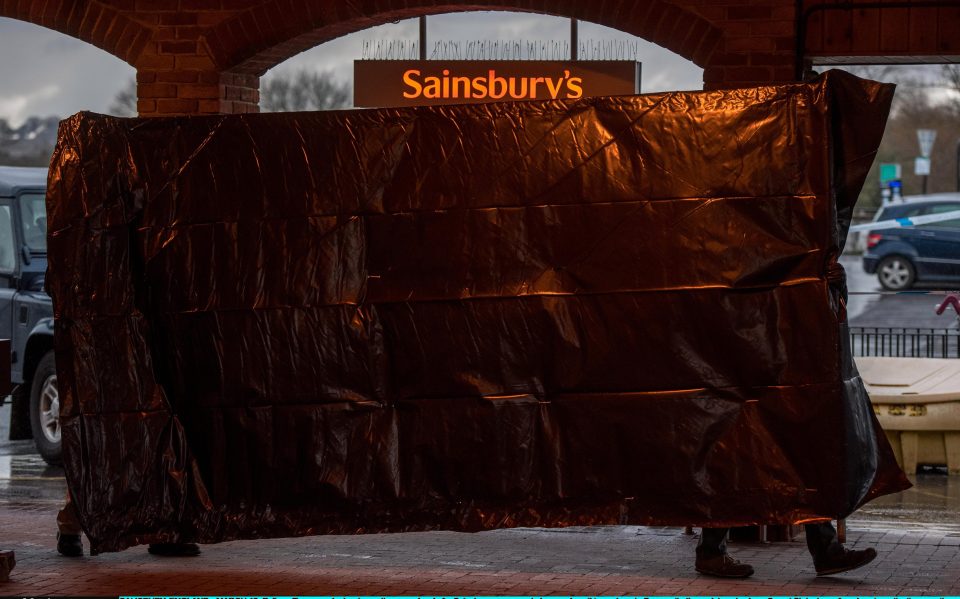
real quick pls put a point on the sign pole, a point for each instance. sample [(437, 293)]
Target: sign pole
[(423, 37), (574, 39), (925, 137)]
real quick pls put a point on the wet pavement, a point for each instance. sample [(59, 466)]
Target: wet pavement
[(858, 282), (26, 481), (917, 534), (932, 504), (614, 560), (867, 308)]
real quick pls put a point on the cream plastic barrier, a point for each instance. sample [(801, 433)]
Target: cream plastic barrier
[(917, 401)]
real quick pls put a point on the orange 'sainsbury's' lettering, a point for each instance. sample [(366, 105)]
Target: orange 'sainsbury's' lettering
[(432, 88), (491, 86), (520, 93), (479, 88), (497, 87), (461, 83), (446, 83), (533, 86), (555, 89), (413, 83)]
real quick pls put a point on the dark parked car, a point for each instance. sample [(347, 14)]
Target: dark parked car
[(26, 312), (926, 253)]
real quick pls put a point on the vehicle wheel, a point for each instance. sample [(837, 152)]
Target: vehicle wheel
[(45, 410), (896, 273)]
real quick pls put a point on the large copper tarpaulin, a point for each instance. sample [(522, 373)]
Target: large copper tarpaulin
[(532, 314)]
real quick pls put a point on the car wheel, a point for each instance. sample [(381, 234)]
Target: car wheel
[(896, 273), (45, 410)]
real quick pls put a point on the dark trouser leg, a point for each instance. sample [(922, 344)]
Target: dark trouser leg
[(713, 542), (822, 539), (68, 530)]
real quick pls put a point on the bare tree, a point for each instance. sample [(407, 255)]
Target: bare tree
[(876, 72), (951, 75), (918, 104), (951, 80), (915, 108), (303, 90), (125, 102), (283, 92)]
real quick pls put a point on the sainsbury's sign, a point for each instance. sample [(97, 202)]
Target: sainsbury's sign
[(393, 83)]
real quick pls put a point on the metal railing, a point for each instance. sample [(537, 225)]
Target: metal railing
[(897, 342)]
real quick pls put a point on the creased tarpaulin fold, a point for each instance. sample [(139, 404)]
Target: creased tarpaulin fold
[(615, 310)]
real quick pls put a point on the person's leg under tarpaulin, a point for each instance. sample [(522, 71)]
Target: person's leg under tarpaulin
[(68, 530), (829, 554), (713, 559)]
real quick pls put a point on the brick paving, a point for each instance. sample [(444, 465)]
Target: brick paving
[(615, 560)]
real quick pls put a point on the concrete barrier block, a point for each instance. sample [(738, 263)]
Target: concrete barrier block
[(951, 442)]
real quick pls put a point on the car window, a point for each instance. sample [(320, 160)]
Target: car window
[(940, 209), (33, 215), (8, 252), (899, 211)]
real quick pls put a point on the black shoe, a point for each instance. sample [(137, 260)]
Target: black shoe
[(843, 561), (69, 545), (723, 566), (174, 549)]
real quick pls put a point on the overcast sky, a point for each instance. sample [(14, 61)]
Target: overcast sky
[(45, 73)]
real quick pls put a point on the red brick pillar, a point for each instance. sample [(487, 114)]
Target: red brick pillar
[(177, 76), (178, 92)]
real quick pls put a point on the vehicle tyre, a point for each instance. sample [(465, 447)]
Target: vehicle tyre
[(45, 410), (896, 273)]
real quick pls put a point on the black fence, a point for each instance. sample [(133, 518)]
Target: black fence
[(905, 342)]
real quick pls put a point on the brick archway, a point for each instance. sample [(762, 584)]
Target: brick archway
[(257, 40), (206, 56)]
